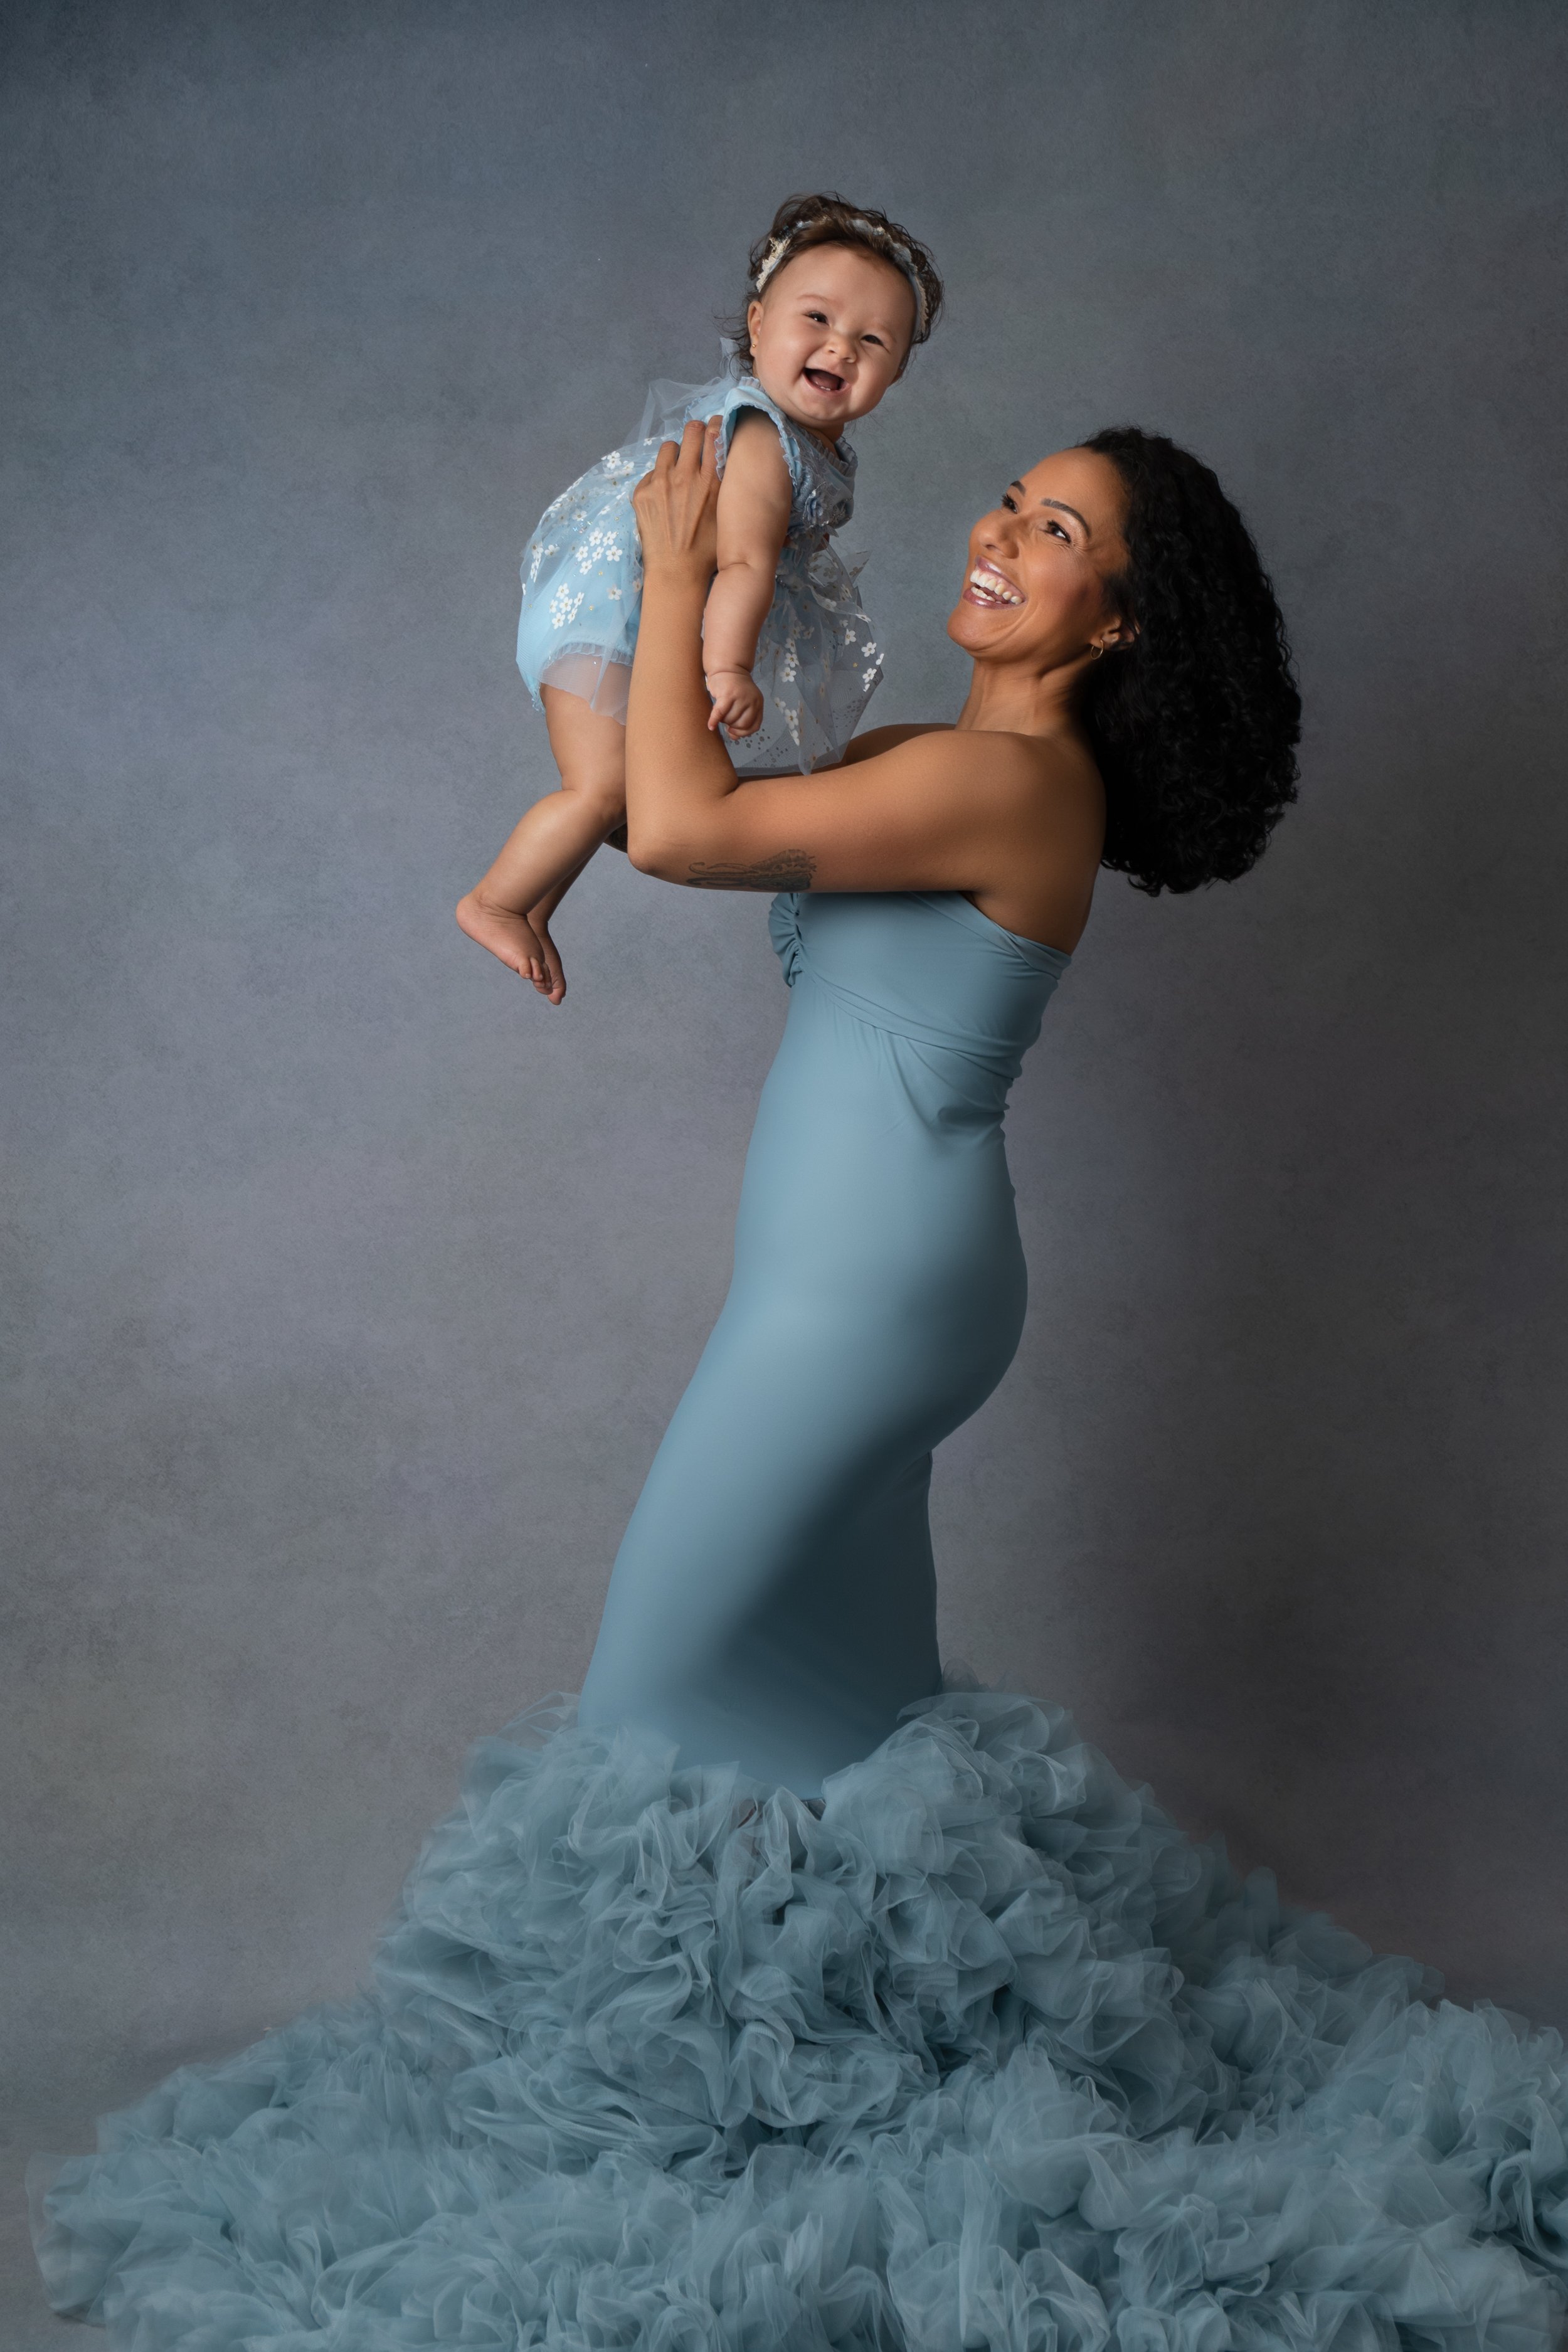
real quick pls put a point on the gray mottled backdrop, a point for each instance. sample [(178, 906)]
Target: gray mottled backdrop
[(354, 1286)]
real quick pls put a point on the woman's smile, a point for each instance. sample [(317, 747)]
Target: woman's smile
[(988, 585)]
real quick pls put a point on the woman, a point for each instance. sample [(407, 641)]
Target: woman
[(775, 1599), (742, 2012)]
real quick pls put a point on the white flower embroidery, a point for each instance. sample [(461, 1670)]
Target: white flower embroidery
[(598, 546), (818, 660)]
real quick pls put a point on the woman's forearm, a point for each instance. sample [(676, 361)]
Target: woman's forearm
[(678, 771)]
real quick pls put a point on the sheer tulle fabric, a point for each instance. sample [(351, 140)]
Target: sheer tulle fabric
[(817, 662), (976, 2050)]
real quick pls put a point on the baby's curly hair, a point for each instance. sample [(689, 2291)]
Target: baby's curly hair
[(1195, 724), (802, 222)]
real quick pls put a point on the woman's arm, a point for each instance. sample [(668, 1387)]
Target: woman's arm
[(938, 811)]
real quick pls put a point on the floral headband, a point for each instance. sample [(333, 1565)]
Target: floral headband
[(887, 248)]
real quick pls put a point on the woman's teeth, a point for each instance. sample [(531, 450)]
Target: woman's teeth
[(988, 587)]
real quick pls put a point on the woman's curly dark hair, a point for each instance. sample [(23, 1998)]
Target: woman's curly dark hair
[(802, 222), (1195, 723)]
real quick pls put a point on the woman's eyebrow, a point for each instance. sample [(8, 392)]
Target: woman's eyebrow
[(1057, 502)]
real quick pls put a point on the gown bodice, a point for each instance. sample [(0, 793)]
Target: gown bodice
[(928, 967)]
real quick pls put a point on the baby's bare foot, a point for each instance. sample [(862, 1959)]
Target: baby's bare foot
[(513, 939), (553, 987)]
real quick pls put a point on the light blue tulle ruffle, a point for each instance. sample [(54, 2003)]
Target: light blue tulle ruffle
[(982, 2053)]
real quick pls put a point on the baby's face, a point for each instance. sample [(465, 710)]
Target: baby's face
[(829, 334)]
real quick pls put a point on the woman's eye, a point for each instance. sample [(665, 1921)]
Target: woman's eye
[(1010, 502), (1059, 532)]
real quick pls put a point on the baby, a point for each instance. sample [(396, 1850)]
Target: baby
[(839, 299)]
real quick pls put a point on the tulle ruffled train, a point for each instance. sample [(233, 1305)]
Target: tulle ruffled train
[(976, 2051)]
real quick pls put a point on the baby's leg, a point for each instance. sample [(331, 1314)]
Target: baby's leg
[(509, 911)]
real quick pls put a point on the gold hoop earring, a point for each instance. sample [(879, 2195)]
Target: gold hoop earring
[(1095, 652)]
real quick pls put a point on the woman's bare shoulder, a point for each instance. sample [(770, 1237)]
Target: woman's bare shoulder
[(878, 739), (1018, 818), (1043, 771)]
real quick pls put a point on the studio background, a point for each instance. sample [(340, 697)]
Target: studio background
[(354, 1286)]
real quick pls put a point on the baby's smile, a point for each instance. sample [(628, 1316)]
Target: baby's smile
[(823, 379)]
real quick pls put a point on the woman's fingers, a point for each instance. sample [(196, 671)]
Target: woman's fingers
[(691, 460), (675, 503), (697, 443)]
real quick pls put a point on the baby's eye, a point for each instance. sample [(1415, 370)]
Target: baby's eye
[(873, 339), (817, 317)]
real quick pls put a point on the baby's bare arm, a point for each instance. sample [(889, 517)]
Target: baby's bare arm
[(754, 516)]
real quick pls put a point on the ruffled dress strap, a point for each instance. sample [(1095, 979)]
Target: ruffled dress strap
[(746, 396), (822, 480)]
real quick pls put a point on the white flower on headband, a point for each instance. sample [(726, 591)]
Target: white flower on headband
[(888, 247), (777, 249)]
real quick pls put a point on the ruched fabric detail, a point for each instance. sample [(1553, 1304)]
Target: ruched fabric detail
[(783, 931), (991, 1027), (977, 2050)]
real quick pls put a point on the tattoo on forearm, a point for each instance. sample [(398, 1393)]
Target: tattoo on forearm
[(787, 870)]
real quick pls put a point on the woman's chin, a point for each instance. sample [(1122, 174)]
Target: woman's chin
[(971, 626)]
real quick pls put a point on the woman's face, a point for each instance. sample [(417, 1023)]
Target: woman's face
[(1037, 586)]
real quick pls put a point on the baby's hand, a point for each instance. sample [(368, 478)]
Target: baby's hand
[(737, 701)]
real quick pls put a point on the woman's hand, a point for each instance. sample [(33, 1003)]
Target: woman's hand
[(677, 507)]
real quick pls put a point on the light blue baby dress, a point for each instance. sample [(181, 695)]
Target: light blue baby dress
[(818, 660)]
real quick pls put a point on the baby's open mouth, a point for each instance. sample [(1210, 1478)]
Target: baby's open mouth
[(823, 379)]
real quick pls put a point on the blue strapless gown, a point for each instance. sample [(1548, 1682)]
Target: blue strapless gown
[(782, 1998)]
